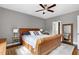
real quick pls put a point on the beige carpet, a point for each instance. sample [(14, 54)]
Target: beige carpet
[(64, 49)]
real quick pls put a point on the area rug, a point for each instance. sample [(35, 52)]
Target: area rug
[(63, 49)]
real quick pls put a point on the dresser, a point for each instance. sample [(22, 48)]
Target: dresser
[(2, 46)]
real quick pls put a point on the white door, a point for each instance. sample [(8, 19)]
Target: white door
[(54, 28)]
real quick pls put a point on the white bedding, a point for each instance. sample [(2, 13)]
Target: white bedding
[(31, 39)]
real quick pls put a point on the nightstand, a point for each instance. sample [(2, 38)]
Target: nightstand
[(15, 39), (2, 46), (15, 42)]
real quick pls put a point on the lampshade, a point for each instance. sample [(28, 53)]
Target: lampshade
[(15, 30), (41, 29)]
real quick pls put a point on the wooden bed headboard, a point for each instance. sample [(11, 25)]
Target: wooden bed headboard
[(23, 30)]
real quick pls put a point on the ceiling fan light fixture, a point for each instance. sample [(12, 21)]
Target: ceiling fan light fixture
[(46, 8), (43, 13)]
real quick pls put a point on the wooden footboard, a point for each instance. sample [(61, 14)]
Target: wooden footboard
[(45, 45), (48, 44)]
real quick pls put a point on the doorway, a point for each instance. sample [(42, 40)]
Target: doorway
[(56, 27)]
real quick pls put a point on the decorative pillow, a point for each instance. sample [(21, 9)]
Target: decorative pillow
[(36, 33), (26, 33)]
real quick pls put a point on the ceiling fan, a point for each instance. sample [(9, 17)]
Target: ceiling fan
[(46, 8)]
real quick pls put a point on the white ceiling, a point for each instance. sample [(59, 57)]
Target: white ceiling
[(30, 9)]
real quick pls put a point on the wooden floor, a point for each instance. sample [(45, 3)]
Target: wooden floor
[(12, 50)]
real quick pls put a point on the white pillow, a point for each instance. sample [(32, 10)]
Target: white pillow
[(39, 33), (31, 32)]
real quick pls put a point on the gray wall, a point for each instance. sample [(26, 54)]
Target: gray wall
[(10, 19), (66, 19)]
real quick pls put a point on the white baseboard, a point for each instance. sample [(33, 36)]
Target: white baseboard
[(75, 43)]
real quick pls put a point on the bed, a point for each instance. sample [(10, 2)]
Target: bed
[(44, 45)]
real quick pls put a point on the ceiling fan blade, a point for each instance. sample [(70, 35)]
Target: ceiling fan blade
[(52, 6), (42, 6), (50, 10), (39, 10)]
